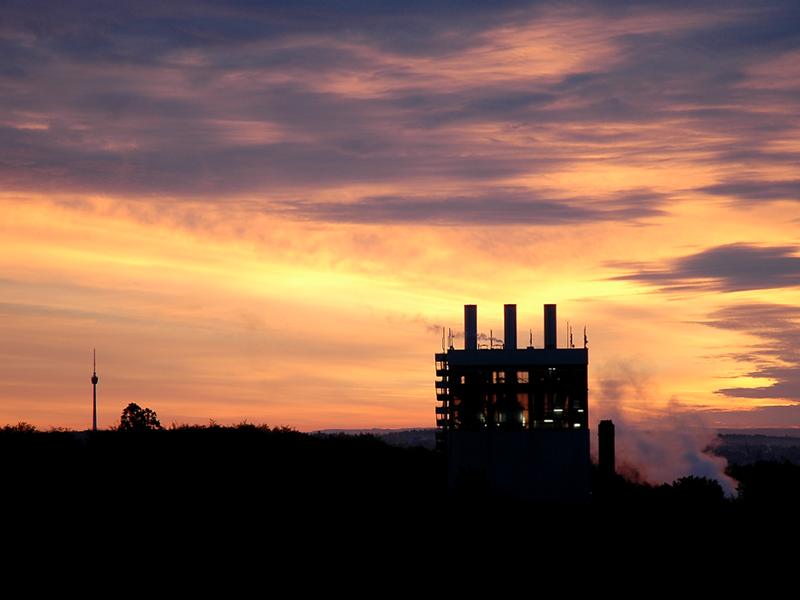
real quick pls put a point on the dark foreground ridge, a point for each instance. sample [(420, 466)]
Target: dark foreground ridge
[(238, 476)]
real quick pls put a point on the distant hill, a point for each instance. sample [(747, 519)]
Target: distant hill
[(738, 446), (748, 448), (793, 432), (403, 438)]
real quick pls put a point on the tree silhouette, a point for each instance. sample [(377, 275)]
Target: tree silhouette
[(136, 418)]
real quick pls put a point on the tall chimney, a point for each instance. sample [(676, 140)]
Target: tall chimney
[(510, 323), (550, 326), (605, 439), (470, 327)]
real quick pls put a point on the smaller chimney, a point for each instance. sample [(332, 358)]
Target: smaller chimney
[(470, 327), (510, 323), (550, 326), (605, 443)]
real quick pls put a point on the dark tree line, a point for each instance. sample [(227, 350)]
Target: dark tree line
[(249, 474)]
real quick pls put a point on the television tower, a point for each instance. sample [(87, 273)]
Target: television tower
[(94, 389)]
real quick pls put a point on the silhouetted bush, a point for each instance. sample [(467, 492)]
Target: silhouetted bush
[(21, 427)]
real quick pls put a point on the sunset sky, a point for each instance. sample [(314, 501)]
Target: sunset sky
[(270, 212)]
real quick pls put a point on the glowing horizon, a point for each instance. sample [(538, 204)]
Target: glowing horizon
[(269, 214)]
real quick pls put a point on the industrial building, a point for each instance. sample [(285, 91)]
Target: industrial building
[(515, 418)]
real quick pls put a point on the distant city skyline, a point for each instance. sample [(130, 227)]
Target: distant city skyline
[(269, 213)]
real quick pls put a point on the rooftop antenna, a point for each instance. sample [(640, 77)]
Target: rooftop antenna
[(585, 339), (567, 334), (491, 339), (94, 389), (571, 345), (443, 339), (530, 340)]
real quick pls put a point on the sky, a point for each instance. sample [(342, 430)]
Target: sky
[(268, 211)]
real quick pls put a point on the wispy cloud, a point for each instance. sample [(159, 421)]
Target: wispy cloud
[(756, 190), (500, 207), (229, 100), (728, 268), (776, 353)]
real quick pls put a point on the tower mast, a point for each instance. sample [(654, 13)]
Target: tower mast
[(94, 389)]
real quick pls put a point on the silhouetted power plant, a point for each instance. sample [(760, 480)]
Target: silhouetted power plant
[(515, 419), (95, 379)]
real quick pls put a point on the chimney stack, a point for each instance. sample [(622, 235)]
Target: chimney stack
[(605, 439), (510, 323), (550, 326), (470, 327)]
